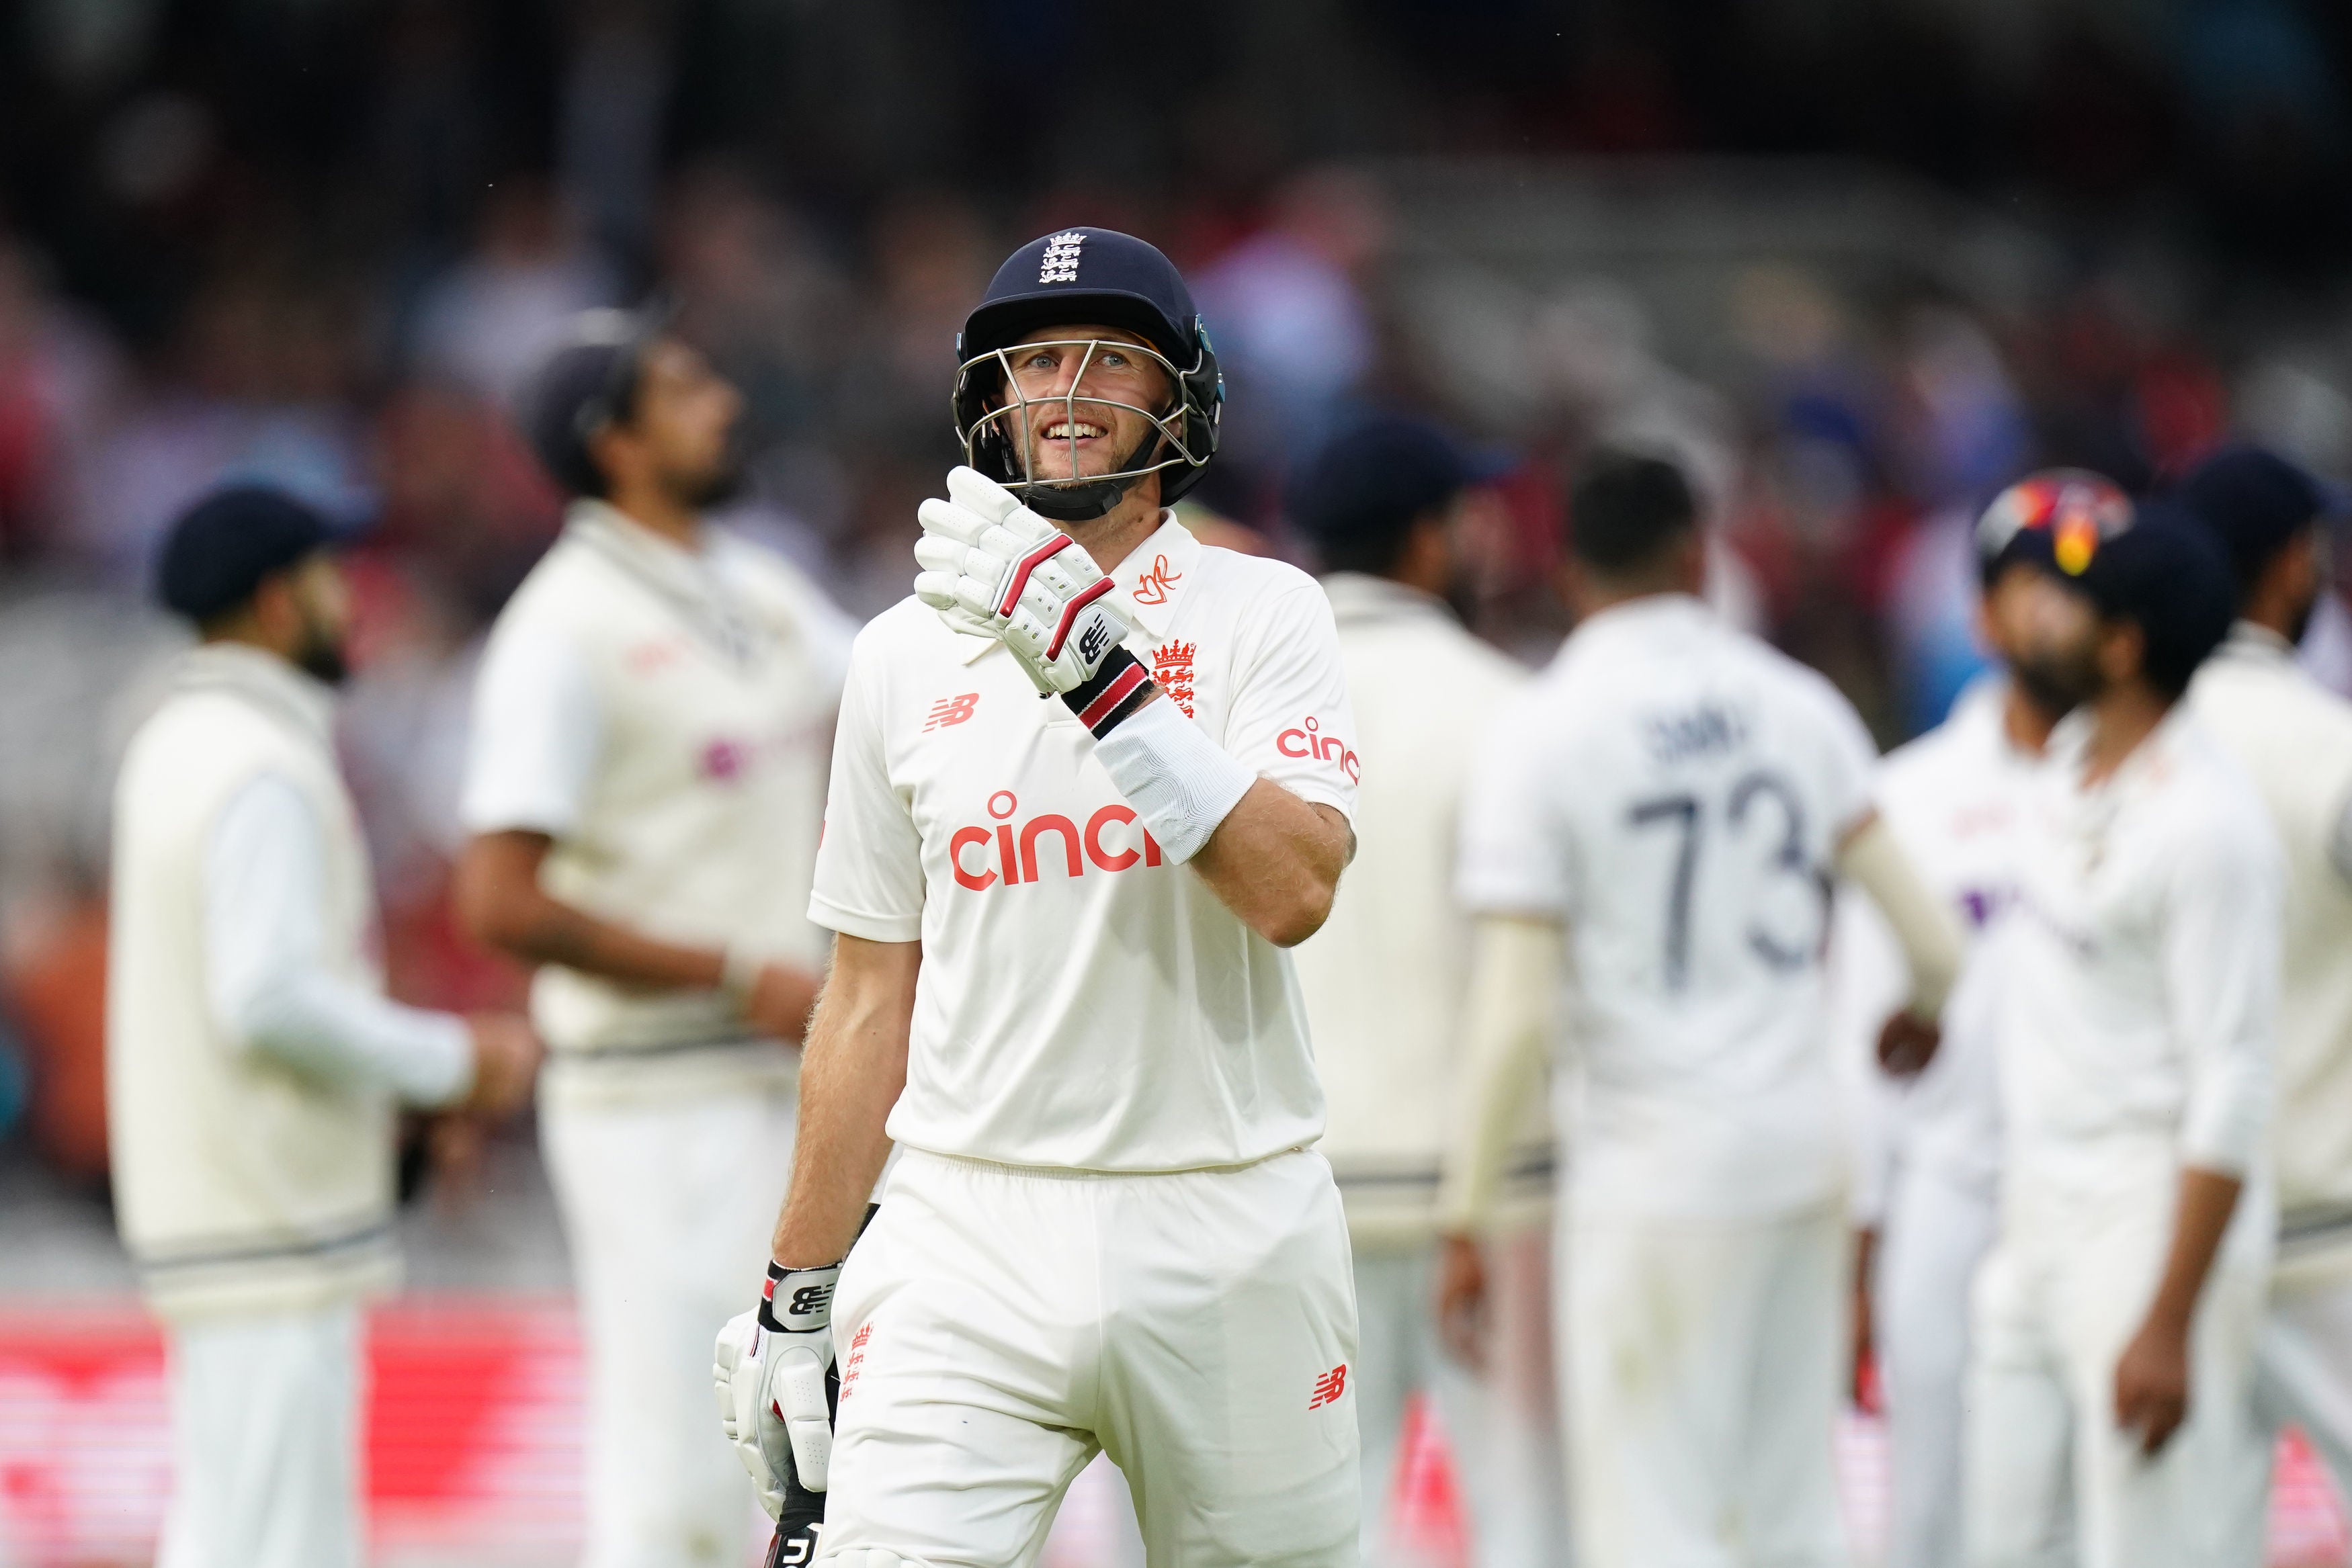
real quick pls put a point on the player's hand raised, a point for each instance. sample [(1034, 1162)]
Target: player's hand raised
[(994, 567)]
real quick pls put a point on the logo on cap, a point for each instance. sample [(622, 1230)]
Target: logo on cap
[(1060, 262)]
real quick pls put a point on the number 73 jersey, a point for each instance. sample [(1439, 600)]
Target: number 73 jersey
[(1674, 792)]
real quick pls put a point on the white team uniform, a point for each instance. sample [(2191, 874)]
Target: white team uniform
[(660, 714), (1107, 1228), (1928, 1174), (1674, 792), (2293, 736), (253, 1069), (2138, 1010), (1384, 982)]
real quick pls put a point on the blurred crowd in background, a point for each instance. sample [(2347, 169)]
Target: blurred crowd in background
[(1858, 264)]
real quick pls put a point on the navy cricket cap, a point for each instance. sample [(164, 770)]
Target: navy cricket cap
[(2166, 571), (222, 548), (2255, 501), (1368, 483), (1083, 277), (581, 384)]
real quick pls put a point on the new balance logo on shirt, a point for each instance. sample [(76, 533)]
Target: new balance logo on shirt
[(949, 711)]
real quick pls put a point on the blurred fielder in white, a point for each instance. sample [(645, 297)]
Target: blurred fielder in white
[(1386, 982), (254, 1066), (2109, 1420), (1927, 1172), (1653, 835), (644, 786), (2293, 736)]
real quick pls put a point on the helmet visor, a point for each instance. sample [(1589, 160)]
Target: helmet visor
[(1043, 401)]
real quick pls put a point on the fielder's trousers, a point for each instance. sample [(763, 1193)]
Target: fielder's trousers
[(265, 1441), (1704, 1372), (1938, 1228), (2053, 1482), (667, 1209)]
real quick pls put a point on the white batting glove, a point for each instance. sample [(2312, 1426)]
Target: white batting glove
[(993, 567), (775, 1375)]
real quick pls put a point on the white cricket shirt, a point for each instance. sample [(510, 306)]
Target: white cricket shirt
[(1955, 800), (2294, 738), (1673, 792), (661, 713), (1385, 980), (2140, 1010), (1082, 1004)]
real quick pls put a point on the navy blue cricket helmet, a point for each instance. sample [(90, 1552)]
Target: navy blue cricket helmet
[(1088, 276)]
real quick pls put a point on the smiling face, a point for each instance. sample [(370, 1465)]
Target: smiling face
[(1083, 396)]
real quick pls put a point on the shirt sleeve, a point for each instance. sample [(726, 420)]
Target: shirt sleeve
[(1868, 979), (1516, 854), (2340, 839), (1851, 764), (869, 862), (265, 970), (538, 727), (2222, 941), (1289, 720)]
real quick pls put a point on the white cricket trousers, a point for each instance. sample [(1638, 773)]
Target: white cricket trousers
[(1938, 1229), (2053, 1480), (668, 1208), (1704, 1371), (998, 1325), (1503, 1427), (265, 1441)]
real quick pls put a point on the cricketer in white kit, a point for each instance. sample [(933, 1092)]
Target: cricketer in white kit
[(1670, 804), (1927, 1168), (2110, 1423), (254, 1065), (645, 785), (1386, 983), (1062, 879), (2293, 736)]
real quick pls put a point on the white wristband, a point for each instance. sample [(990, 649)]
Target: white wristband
[(1181, 783)]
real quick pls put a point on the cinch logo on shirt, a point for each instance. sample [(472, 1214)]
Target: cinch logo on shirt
[(1306, 742), (1016, 857)]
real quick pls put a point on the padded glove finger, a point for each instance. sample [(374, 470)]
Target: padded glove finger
[(984, 497)]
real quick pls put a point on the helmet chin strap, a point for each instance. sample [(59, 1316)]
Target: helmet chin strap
[(1084, 503)]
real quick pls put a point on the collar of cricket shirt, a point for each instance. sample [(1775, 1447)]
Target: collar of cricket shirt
[(1155, 574), (2249, 640), (1361, 599), (266, 681), (686, 580)]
